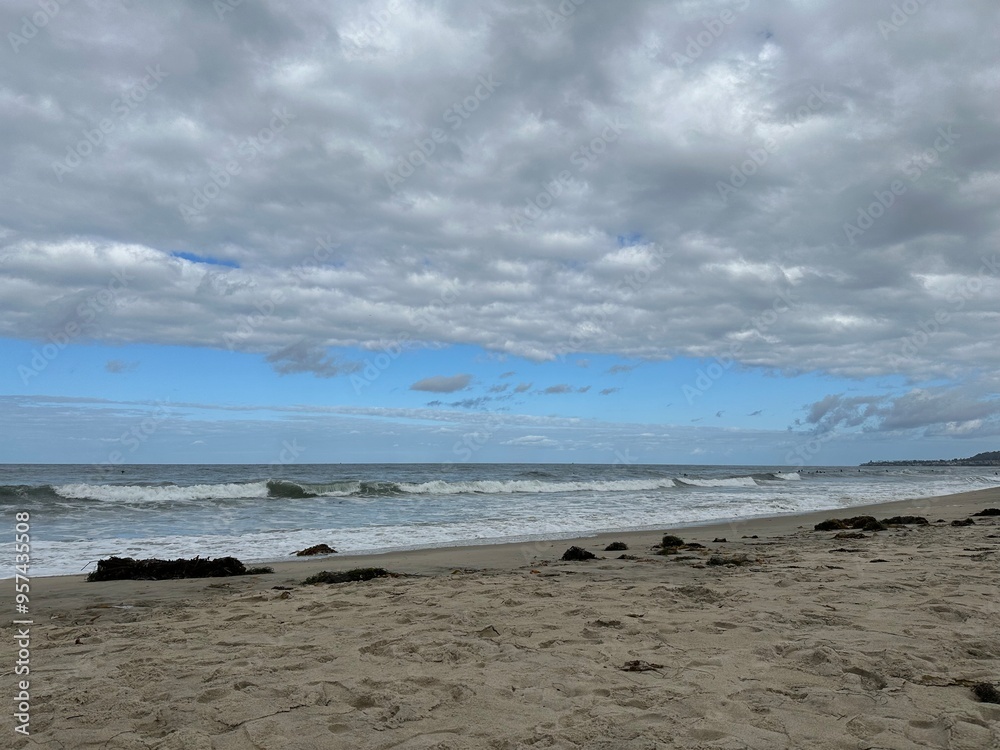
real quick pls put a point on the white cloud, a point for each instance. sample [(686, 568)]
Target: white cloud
[(634, 253), (534, 441)]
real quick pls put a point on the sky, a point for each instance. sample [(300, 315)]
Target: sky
[(687, 232)]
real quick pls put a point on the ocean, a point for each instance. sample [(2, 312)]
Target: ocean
[(80, 513)]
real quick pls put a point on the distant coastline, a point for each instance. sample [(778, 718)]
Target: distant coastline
[(991, 458)]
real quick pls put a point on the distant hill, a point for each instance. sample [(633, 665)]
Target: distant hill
[(990, 458)]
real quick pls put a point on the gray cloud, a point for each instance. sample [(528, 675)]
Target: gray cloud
[(969, 410), (284, 121), (442, 383), (478, 402), (304, 356), (616, 369), (561, 388), (556, 389), (118, 366)]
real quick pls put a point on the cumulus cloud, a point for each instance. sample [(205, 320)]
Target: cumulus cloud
[(442, 383), (970, 410), (757, 221)]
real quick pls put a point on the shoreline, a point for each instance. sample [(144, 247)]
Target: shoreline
[(264, 543), (509, 556)]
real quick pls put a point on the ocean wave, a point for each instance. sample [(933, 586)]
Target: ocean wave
[(778, 476), (721, 482), (26, 491), (537, 473), (136, 493), (531, 486), (286, 489), (790, 476), (291, 489)]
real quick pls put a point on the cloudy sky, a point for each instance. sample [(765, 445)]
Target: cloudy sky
[(518, 230)]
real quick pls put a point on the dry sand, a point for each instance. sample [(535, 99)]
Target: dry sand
[(818, 643)]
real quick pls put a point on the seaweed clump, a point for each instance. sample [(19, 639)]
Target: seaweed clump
[(316, 549), (616, 547), (864, 523), (578, 553), (347, 576), (902, 520), (151, 569), (735, 560)]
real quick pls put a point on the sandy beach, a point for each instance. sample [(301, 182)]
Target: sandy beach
[(816, 642)]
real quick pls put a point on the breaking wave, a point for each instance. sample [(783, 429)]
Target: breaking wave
[(727, 482), (288, 489), (138, 493)]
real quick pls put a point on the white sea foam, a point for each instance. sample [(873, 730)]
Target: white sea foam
[(727, 482), (131, 493), (532, 486)]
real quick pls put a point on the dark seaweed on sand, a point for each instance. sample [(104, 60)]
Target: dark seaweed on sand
[(347, 576), (578, 553), (850, 535), (316, 549), (737, 560), (986, 693), (864, 523), (988, 512), (127, 568), (900, 520), (637, 665)]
